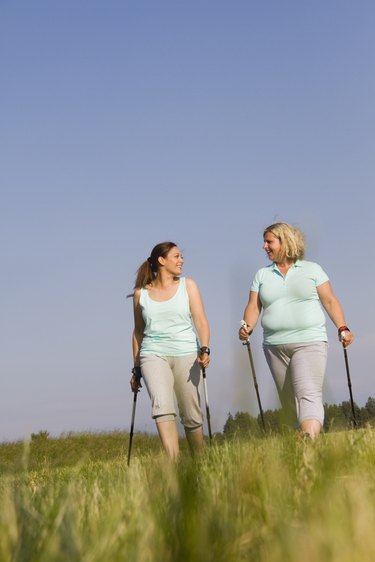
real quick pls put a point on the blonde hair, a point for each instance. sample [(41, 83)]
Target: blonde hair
[(291, 239)]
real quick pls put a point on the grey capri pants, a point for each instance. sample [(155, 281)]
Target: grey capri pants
[(298, 370), (165, 376)]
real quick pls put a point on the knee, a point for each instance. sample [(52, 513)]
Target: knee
[(193, 429), (192, 420)]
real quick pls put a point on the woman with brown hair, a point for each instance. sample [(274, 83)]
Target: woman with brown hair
[(167, 353)]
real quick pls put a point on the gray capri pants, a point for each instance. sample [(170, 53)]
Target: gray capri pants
[(298, 370), (165, 376)]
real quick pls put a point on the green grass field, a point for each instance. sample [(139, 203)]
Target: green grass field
[(278, 498)]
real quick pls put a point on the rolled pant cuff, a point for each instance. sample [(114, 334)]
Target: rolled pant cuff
[(165, 418)]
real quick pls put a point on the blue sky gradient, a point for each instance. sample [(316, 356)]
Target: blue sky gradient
[(126, 123)]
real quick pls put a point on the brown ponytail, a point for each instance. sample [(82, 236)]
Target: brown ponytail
[(149, 268)]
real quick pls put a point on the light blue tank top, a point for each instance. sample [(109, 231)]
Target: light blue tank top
[(168, 324)]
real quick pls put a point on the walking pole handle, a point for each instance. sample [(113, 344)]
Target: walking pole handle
[(244, 325)]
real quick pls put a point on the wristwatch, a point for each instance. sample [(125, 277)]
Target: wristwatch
[(136, 371), (204, 350)]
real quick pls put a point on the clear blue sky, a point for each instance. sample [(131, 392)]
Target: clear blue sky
[(125, 123)]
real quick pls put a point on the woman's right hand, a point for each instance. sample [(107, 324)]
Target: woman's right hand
[(135, 381), (245, 331)]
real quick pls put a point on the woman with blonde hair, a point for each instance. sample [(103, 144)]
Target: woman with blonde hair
[(167, 352), (290, 293)]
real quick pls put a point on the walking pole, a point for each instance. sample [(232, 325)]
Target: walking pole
[(137, 374), (132, 425), (349, 382), (247, 343), (206, 401)]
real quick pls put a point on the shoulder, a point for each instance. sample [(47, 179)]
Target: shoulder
[(264, 271), (191, 288), (314, 270), (266, 268), (309, 265), (190, 284)]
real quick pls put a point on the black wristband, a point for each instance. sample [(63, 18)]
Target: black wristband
[(343, 329), (204, 350), (136, 371)]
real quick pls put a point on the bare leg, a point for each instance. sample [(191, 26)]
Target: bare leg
[(195, 440), (312, 427), (169, 437)]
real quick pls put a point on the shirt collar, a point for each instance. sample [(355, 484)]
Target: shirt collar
[(297, 264)]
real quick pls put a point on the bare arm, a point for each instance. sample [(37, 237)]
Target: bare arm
[(251, 315), (137, 338), (199, 317), (332, 306)]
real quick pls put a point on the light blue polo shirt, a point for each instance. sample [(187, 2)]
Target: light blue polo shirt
[(292, 312)]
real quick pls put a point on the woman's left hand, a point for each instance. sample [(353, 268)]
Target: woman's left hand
[(346, 338), (203, 360)]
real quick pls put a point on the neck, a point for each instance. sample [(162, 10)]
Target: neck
[(285, 263), (164, 280)]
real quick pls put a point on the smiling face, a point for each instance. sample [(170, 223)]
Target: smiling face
[(173, 261), (272, 247)]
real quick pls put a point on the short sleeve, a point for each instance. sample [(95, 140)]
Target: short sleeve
[(320, 275), (255, 285)]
